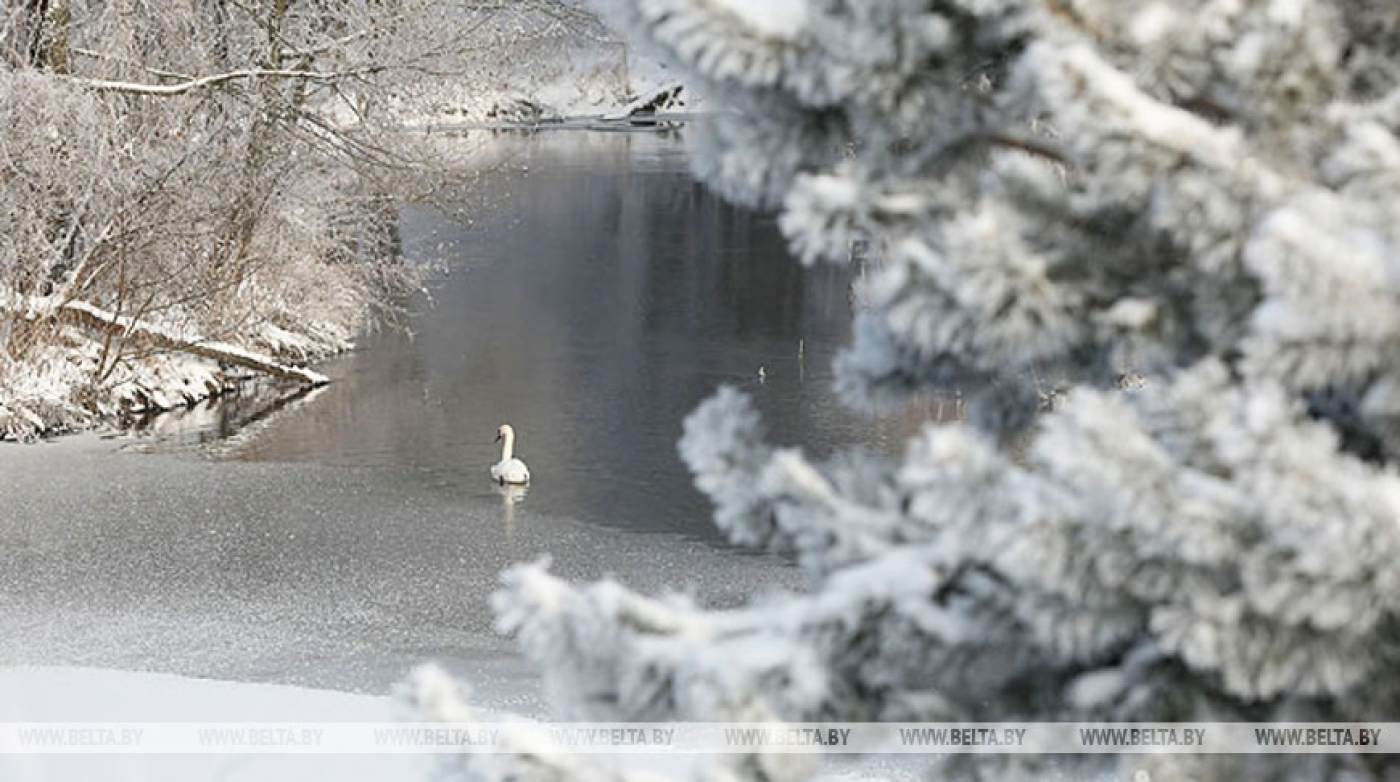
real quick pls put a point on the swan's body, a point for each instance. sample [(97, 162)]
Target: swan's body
[(509, 470)]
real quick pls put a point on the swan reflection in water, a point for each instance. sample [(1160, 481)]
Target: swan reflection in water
[(512, 494)]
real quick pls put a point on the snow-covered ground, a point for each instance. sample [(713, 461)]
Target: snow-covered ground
[(91, 695), (67, 695)]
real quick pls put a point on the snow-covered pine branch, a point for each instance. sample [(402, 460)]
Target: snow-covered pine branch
[(1207, 193), (436, 696)]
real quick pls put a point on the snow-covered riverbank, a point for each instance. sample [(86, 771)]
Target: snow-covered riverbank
[(72, 378), (58, 375)]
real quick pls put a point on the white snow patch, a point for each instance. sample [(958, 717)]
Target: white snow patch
[(1288, 13), (782, 20), (1153, 24), (1130, 313), (77, 695)]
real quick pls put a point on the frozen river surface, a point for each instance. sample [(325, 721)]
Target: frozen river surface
[(592, 295)]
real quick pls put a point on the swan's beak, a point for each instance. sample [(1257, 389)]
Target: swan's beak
[(498, 437)]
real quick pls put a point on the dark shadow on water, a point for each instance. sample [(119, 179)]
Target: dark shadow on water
[(253, 404)]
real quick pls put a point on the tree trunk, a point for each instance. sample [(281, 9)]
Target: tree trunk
[(47, 23)]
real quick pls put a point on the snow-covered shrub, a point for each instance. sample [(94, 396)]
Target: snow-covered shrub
[(1205, 193)]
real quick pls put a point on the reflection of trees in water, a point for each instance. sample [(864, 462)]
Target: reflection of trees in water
[(253, 404)]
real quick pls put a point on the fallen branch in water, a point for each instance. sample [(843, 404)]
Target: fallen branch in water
[(94, 317), (648, 103)]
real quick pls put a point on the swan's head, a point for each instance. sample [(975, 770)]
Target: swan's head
[(503, 431)]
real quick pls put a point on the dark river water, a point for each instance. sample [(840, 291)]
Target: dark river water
[(593, 295), (590, 295)]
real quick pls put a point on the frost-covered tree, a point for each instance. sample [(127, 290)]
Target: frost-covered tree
[(217, 170), (1202, 193)]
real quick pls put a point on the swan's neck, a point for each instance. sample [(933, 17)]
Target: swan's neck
[(508, 446)]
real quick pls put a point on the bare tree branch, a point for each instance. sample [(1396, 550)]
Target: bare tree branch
[(136, 88)]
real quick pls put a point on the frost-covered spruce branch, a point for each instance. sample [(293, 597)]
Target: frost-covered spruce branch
[(1126, 568), (1132, 523), (1204, 192), (436, 696)]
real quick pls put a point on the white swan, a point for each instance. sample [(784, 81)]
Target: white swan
[(509, 469)]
